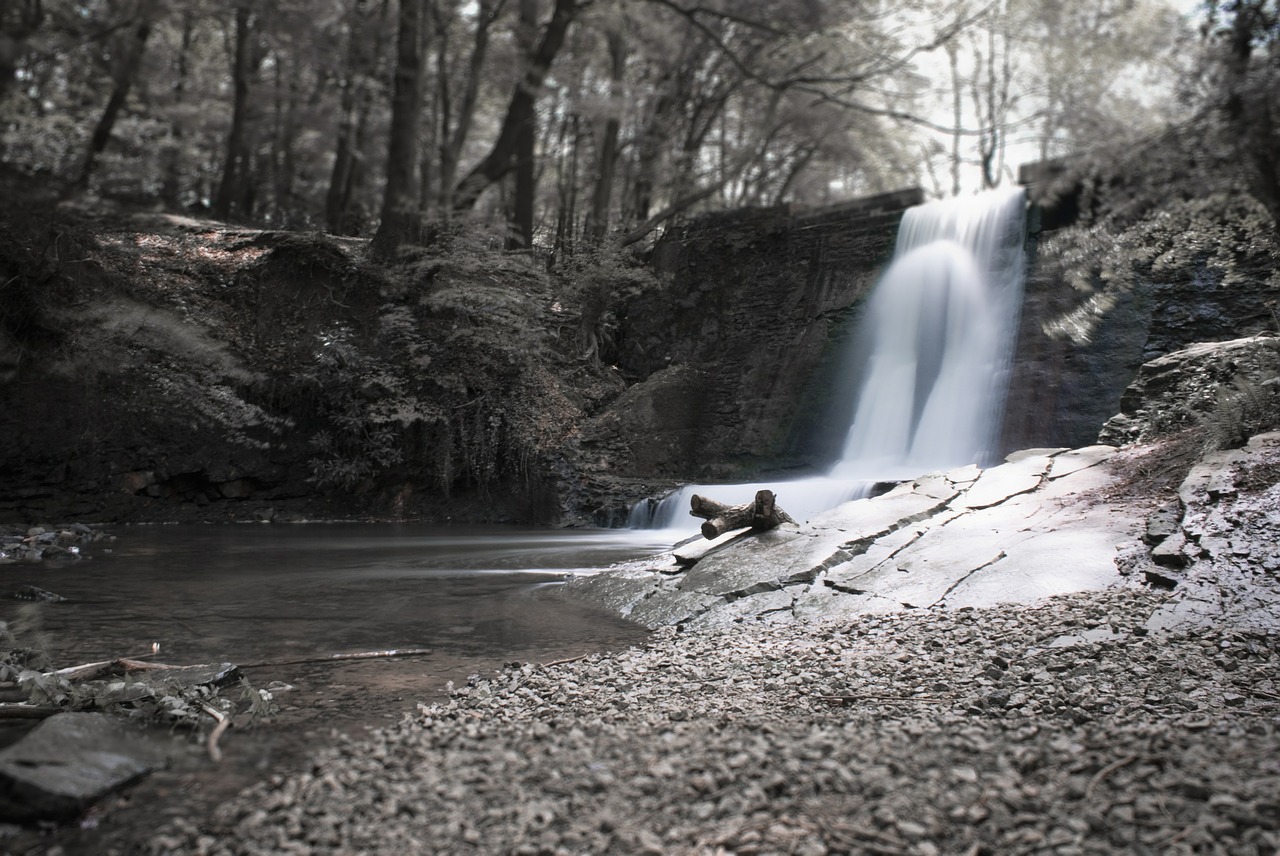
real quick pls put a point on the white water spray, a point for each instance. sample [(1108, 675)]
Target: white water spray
[(932, 355)]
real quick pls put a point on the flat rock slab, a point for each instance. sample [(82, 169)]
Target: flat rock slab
[(70, 761), (1078, 459), (998, 484), (1229, 543), (617, 590), (1035, 526), (790, 555)]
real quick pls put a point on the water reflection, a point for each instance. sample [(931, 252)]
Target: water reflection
[(252, 593)]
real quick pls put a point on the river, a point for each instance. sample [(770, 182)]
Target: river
[(254, 593)]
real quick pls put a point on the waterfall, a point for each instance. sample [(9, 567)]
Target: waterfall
[(937, 338), (931, 359)]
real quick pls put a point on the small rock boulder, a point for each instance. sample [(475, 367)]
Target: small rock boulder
[(70, 761), (1218, 386)]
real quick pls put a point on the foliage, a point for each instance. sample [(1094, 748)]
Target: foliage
[(594, 283), (354, 394), (1240, 85), (1243, 409), (1172, 210), (652, 110), (33, 270), (450, 383)]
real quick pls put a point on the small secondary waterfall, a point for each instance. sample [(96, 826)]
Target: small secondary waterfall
[(931, 355)]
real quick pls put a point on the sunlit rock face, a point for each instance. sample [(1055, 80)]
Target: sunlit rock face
[(1188, 273)]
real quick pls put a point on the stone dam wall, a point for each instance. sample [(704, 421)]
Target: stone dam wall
[(736, 346)]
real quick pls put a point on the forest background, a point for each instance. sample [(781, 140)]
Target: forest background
[(586, 118), (462, 137)]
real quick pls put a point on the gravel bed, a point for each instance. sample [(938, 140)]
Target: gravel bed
[(1059, 728)]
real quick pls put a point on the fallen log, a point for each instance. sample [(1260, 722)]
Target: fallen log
[(761, 514)]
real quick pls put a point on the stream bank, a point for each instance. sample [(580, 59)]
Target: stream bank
[(1077, 729)]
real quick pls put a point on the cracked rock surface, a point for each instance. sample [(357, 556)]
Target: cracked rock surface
[(1035, 526)]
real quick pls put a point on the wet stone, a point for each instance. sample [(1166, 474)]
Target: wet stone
[(70, 761)]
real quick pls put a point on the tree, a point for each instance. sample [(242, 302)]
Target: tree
[(1038, 79), (171, 188), (455, 122), (19, 21), (235, 190), (123, 75), (658, 109), (501, 158), (357, 85), (400, 202), (1245, 37), (607, 159), (526, 142)]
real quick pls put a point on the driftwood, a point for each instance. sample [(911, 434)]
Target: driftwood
[(93, 670), (223, 723), (761, 514), (337, 658)]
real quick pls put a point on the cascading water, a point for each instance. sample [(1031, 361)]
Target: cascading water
[(931, 357), (940, 329)]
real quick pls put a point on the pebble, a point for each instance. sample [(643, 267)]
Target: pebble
[(888, 733)]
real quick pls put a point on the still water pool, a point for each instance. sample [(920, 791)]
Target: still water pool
[(256, 593)]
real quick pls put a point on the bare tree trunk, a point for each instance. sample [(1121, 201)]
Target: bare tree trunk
[(233, 194), (453, 139), (171, 189), (957, 113), (502, 155), (607, 163), (125, 74), (428, 148), (526, 141), (649, 158), (283, 154), (566, 186), (400, 203), (354, 106)]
